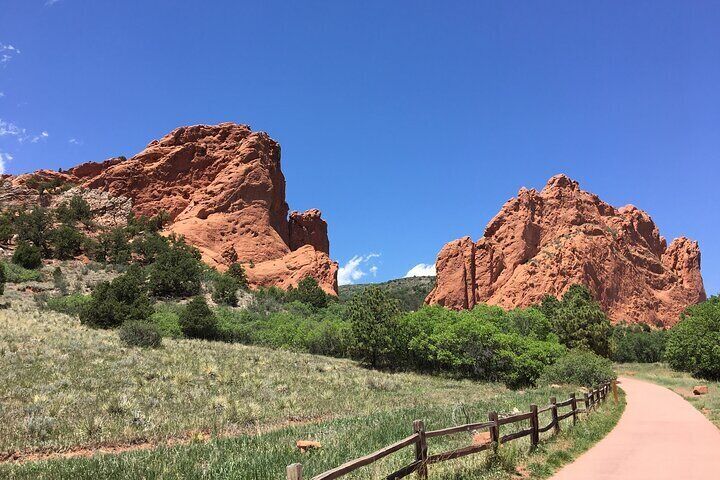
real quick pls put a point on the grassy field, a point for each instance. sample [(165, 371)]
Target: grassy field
[(681, 383), (264, 456), (196, 409)]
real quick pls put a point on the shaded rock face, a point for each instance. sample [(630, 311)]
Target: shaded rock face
[(542, 242), (225, 192)]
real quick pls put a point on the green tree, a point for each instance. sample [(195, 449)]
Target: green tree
[(27, 256), (225, 289), (76, 210), (59, 281), (197, 320), (113, 247), (693, 344), (238, 273), (123, 299), (66, 241), (6, 227), (308, 292), (33, 227), (579, 321), (372, 315), (176, 272)]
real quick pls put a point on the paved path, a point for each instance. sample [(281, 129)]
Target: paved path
[(659, 436)]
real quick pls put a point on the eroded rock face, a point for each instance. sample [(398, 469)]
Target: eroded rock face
[(225, 192), (542, 242)]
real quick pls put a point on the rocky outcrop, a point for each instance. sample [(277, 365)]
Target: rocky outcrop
[(542, 242), (225, 192)]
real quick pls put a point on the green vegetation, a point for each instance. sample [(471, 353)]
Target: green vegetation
[(224, 290), (693, 345), (2, 279), (197, 320), (16, 274), (637, 343), (27, 256), (236, 271), (113, 303), (140, 334), (76, 210), (73, 304), (579, 367), (409, 292), (176, 271), (578, 320), (373, 317), (66, 242), (308, 292)]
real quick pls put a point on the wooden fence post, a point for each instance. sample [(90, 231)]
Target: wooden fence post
[(534, 425), (421, 450), (554, 413), (294, 471), (573, 405), (494, 430), (614, 390), (587, 404)]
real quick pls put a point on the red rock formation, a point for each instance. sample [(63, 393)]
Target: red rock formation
[(542, 242), (225, 192)]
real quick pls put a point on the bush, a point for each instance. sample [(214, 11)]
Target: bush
[(6, 227), (27, 256), (2, 279), (59, 281), (114, 303), (66, 242), (578, 320), (140, 334), (482, 343), (17, 274), (579, 367), (693, 343), (71, 305), (33, 227), (225, 290), (176, 272), (76, 210), (197, 320), (308, 292), (373, 316), (167, 319), (637, 343), (237, 272), (111, 247)]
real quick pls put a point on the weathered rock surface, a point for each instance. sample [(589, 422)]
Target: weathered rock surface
[(542, 242), (225, 192)]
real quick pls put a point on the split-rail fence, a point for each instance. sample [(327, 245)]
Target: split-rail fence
[(419, 438)]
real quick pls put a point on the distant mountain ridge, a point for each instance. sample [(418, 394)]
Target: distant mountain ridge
[(410, 292)]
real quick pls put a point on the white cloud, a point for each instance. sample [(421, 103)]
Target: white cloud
[(421, 270), (7, 52), (75, 141), (43, 135), (50, 3), (4, 158), (2, 94), (9, 128), (353, 270)]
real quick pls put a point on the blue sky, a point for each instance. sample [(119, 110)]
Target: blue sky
[(407, 123)]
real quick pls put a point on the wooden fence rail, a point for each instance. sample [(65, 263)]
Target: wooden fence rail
[(420, 436)]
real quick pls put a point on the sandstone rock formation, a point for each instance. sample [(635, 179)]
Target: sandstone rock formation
[(542, 242), (225, 192)]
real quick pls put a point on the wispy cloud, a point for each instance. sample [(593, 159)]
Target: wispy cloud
[(421, 270), (356, 267), (50, 3), (2, 94), (75, 141), (4, 158), (10, 129), (7, 52), (36, 138)]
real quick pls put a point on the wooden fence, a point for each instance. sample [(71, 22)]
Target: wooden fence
[(419, 438)]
